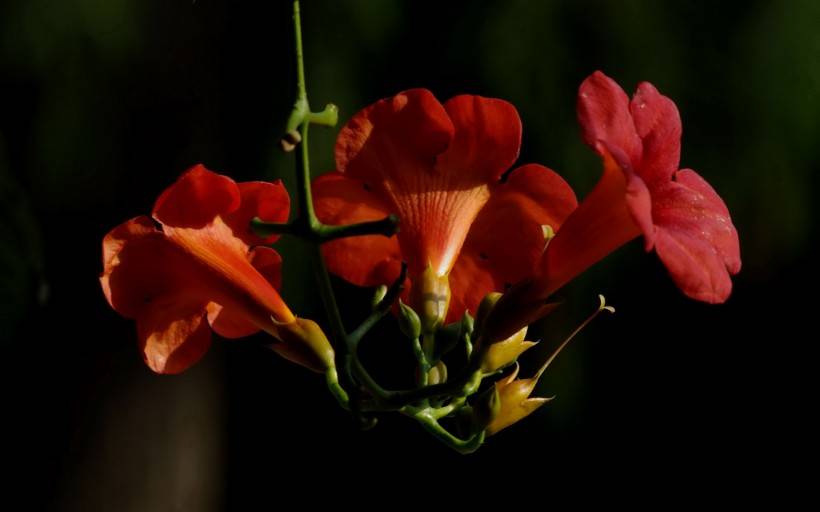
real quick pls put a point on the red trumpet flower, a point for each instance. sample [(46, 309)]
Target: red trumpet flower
[(641, 192), (439, 167), (197, 265)]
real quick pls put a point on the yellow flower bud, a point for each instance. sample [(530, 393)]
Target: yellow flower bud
[(516, 404), (430, 297), (506, 352), (304, 343)]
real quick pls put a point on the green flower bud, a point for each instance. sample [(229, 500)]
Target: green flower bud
[(409, 322), (437, 374), (487, 304), (378, 296)]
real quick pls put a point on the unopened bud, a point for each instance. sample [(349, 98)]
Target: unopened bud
[(506, 352), (487, 304), (303, 342), (467, 323), (515, 401), (409, 322), (378, 296), (431, 297), (437, 374)]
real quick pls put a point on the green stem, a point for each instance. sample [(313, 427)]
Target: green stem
[(300, 108), (328, 298), (367, 380), (441, 412), (332, 307), (423, 363), (431, 425), (332, 379), (307, 217), (356, 336), (387, 226), (321, 233), (301, 90), (306, 221), (297, 133), (466, 384), (327, 117)]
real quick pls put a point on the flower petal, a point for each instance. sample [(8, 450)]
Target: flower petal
[(470, 281), (605, 220), (603, 112), (393, 137), (196, 198), (232, 323), (173, 334), (114, 242), (363, 260), (226, 273), (487, 138), (506, 240), (229, 323), (695, 237), (140, 265), (392, 146), (508, 232), (636, 193), (269, 263), (658, 123), (268, 201)]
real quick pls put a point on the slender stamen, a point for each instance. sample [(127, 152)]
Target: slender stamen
[(601, 307)]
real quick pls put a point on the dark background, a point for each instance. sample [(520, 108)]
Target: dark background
[(105, 102)]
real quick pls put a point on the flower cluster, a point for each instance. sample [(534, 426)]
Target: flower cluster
[(482, 247)]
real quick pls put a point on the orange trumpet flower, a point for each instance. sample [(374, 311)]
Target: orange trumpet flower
[(197, 269)]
